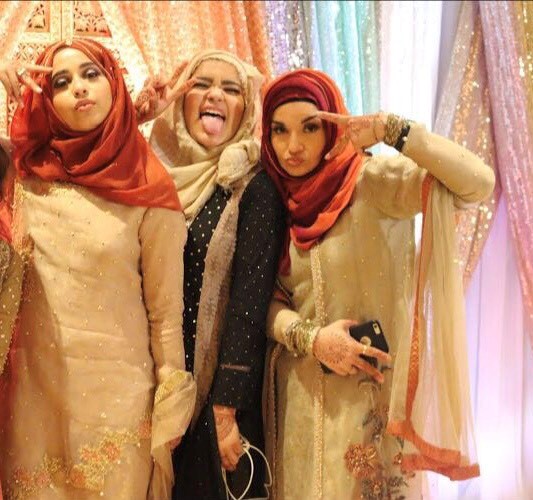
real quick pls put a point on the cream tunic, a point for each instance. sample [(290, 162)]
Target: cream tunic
[(366, 261), (100, 331)]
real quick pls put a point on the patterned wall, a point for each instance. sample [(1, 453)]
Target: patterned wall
[(51, 21)]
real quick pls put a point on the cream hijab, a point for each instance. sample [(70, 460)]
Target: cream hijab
[(196, 170)]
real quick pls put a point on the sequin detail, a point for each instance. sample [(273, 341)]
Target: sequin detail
[(95, 462)]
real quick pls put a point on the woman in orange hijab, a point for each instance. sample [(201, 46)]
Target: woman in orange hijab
[(354, 421), (98, 392)]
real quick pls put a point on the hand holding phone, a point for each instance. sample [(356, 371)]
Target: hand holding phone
[(370, 334)]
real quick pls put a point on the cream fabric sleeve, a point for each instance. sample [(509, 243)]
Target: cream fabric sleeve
[(460, 170), (9, 301), (280, 316), (162, 235), (394, 183)]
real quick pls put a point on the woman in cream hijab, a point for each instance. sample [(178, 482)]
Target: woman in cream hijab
[(235, 226)]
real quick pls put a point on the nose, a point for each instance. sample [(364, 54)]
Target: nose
[(214, 93), (79, 89), (295, 146)]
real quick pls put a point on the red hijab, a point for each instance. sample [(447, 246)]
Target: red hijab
[(315, 201), (113, 160)]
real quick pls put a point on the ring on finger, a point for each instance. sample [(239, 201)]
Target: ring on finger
[(21, 72), (365, 347)]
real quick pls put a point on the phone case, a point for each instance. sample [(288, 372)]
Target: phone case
[(371, 334)]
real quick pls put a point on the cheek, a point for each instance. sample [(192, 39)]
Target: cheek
[(61, 103), (190, 105), (278, 146), (236, 111), (107, 97)]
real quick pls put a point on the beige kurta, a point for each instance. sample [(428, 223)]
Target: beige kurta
[(100, 331), (332, 432)]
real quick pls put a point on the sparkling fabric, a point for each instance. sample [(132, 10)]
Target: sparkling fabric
[(169, 32), (238, 377), (508, 85), (343, 42), (464, 115), (286, 31)]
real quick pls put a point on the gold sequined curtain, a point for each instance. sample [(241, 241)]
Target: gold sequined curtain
[(146, 37), (465, 116), (169, 32)]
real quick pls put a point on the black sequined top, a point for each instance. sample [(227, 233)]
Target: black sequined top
[(259, 235)]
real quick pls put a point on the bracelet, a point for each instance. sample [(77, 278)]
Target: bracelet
[(396, 131), (300, 336)]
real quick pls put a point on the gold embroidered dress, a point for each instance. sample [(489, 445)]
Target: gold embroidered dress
[(327, 431), (100, 386)]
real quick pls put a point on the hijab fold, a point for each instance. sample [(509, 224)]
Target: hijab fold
[(113, 160), (315, 201), (197, 171)]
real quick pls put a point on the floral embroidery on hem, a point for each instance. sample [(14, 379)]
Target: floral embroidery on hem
[(95, 462), (365, 462)]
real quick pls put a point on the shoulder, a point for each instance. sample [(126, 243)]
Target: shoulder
[(261, 192)]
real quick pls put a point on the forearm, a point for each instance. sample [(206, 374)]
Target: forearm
[(460, 170)]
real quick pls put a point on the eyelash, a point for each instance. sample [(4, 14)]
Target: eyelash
[(228, 90), (308, 127), (278, 130), (89, 74), (311, 127)]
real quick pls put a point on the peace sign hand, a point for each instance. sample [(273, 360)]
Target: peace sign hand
[(14, 74), (157, 95), (362, 131)]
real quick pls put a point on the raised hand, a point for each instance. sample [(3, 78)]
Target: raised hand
[(157, 94), (228, 436), (14, 74), (362, 131), (334, 348)]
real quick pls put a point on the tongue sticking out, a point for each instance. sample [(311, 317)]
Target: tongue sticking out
[(212, 124)]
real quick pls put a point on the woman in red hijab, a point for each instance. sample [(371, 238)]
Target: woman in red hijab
[(98, 392), (355, 421)]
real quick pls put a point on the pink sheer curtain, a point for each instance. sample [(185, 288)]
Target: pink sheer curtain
[(486, 95), (507, 57)]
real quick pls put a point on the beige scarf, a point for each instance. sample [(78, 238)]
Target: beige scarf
[(196, 172)]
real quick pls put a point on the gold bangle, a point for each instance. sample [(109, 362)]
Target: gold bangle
[(393, 129), (300, 336)]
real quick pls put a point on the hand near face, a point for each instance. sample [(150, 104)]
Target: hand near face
[(362, 131), (334, 348), (157, 94), (228, 437), (14, 75)]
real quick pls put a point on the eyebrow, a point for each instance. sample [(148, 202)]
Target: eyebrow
[(66, 71), (311, 117), (224, 82), (305, 120)]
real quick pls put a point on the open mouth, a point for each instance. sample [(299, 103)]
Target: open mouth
[(212, 121)]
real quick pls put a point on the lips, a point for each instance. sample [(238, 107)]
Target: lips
[(84, 105), (294, 161)]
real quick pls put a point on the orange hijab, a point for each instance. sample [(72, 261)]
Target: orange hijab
[(113, 160), (315, 201)]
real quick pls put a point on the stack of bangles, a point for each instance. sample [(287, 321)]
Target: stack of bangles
[(396, 131), (300, 336)]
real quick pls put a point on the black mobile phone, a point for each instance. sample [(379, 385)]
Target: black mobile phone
[(371, 334)]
